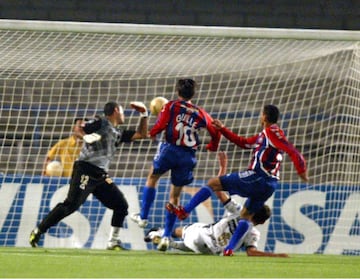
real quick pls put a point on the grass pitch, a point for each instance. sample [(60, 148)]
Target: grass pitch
[(83, 263)]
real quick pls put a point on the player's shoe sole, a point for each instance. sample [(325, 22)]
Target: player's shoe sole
[(179, 211)]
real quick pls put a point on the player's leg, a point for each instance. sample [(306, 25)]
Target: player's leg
[(170, 218), (183, 164), (203, 194), (258, 189), (111, 197), (159, 167), (80, 187), (148, 197)]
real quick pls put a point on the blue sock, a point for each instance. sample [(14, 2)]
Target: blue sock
[(240, 231), (203, 194), (147, 201), (170, 220)]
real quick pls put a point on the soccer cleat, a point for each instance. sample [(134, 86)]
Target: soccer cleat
[(164, 244), (34, 237), (154, 235), (170, 207), (135, 217), (228, 253), (116, 246), (179, 211)]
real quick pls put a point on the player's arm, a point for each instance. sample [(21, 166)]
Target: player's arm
[(278, 139), (142, 129), (89, 128), (243, 142), (214, 133), (223, 160), (251, 251), (162, 121)]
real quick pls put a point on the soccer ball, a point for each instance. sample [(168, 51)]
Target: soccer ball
[(54, 168), (157, 104)]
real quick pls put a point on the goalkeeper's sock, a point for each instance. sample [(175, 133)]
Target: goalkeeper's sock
[(203, 194), (114, 234), (240, 231), (147, 201), (170, 219)]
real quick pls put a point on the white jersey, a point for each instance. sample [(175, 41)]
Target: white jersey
[(212, 239)]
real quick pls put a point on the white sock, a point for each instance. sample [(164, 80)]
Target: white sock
[(114, 234)]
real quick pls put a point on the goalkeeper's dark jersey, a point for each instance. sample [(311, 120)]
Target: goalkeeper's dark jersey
[(101, 152)]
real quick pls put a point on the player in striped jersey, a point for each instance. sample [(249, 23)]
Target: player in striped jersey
[(181, 120), (260, 181), (90, 171), (213, 238)]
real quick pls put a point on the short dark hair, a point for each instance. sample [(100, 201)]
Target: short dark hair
[(272, 113), (186, 88), (262, 215), (110, 107)]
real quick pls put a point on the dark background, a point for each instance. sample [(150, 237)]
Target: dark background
[(313, 14)]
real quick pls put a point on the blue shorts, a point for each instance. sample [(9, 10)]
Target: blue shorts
[(181, 161), (250, 185)]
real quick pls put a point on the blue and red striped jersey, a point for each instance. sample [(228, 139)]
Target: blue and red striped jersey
[(182, 120), (268, 148)]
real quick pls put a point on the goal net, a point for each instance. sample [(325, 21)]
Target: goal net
[(51, 73)]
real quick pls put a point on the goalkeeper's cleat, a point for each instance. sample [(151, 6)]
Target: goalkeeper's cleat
[(228, 253), (154, 235), (135, 217), (34, 237), (116, 246), (164, 244), (179, 211)]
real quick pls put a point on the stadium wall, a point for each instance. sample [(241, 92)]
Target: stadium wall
[(343, 15)]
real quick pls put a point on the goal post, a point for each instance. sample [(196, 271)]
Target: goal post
[(52, 72)]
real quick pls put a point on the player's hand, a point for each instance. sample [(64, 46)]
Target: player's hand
[(217, 124), (90, 138), (304, 176), (140, 107)]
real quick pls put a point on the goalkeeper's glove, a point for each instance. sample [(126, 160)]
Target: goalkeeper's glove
[(228, 253), (140, 107), (90, 138)]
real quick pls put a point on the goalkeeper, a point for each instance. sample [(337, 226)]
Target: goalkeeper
[(213, 238), (90, 171)]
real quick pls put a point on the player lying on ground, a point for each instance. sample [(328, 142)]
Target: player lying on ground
[(213, 238)]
